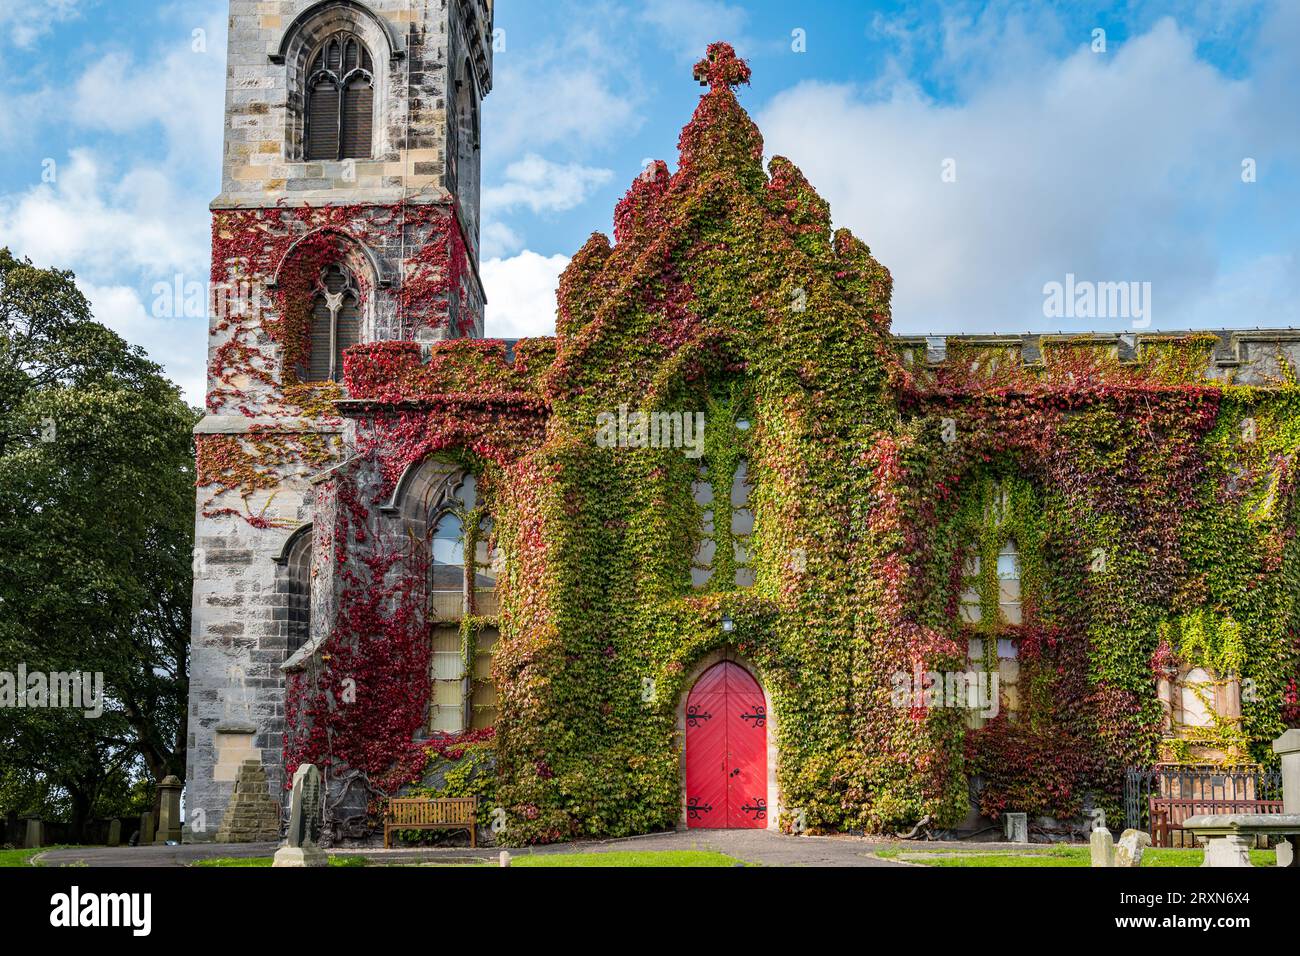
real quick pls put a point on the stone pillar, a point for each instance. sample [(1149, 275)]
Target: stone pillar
[(1288, 748), (169, 814), (146, 828), (1231, 850), (35, 833), (115, 833)]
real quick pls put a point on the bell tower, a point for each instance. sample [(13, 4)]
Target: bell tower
[(348, 214)]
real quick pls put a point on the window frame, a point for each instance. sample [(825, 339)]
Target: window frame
[(319, 69)]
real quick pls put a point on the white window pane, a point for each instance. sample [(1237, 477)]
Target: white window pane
[(975, 651), (702, 491), (1009, 591), (1008, 566), (1011, 613), (971, 613), (468, 493), (740, 487), (1007, 649), (742, 521), (448, 667)]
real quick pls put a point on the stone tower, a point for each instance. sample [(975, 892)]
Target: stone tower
[(348, 214)]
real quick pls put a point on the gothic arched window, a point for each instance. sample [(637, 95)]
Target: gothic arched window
[(297, 587), (340, 100), (335, 325), (462, 581)]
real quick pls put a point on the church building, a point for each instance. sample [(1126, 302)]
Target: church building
[(724, 551)]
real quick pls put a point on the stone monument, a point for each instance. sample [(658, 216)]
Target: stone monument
[(1128, 851), (1103, 848), (253, 815), (169, 811), (1017, 827), (300, 849)]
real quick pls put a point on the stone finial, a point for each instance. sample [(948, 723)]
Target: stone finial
[(722, 68)]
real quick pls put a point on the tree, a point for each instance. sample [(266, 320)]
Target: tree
[(96, 531)]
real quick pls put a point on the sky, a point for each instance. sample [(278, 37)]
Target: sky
[(983, 150)]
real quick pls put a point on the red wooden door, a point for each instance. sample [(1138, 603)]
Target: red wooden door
[(726, 751)]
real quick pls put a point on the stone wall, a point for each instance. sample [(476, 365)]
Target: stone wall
[(271, 199)]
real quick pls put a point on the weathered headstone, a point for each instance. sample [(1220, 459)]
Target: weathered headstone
[(300, 849), (504, 858), (169, 813), (146, 828), (1288, 748), (1017, 827), (1128, 851), (35, 833), (115, 833), (1103, 848), (253, 815)]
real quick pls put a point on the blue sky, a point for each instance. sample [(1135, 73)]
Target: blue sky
[(1122, 165)]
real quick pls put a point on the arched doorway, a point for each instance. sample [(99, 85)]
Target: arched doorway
[(726, 751)]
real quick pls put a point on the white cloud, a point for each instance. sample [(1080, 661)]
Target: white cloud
[(543, 186), (578, 91), (86, 222), (26, 21), (180, 90), (521, 294), (179, 345), (1122, 167)]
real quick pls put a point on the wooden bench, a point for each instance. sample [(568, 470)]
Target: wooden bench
[(1169, 813), (452, 813)]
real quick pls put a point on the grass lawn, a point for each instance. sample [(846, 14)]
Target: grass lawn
[(19, 857), (1055, 856), (625, 858)]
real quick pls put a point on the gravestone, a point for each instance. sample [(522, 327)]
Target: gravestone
[(35, 833), (1017, 828), (300, 849), (1128, 852), (253, 815), (115, 833), (1103, 848), (1288, 748), (169, 813), (146, 828)]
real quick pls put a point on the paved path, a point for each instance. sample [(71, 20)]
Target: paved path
[(753, 846)]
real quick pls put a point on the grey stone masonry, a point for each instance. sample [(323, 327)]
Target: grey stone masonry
[(253, 815), (432, 66)]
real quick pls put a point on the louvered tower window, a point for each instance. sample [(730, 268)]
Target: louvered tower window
[(335, 325), (340, 100)]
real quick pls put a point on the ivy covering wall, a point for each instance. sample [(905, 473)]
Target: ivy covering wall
[(1153, 512)]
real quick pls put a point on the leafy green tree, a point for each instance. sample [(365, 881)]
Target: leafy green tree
[(96, 530)]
